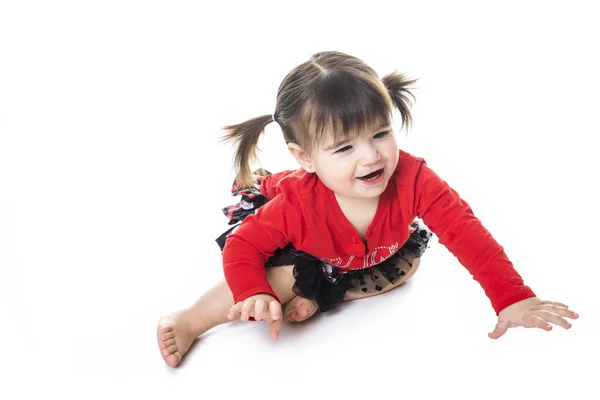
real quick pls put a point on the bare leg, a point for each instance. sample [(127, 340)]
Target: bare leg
[(177, 331)]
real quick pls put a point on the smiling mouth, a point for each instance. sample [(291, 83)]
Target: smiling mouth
[(372, 176)]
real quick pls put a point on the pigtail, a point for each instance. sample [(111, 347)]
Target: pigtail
[(398, 86), (244, 137)]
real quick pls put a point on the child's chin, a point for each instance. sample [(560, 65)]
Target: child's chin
[(371, 192)]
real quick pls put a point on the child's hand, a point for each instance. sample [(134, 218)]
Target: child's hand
[(263, 307), (532, 313)]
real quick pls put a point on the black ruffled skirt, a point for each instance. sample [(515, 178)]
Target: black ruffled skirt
[(315, 279)]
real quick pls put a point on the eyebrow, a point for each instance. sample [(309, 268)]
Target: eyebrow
[(338, 144)]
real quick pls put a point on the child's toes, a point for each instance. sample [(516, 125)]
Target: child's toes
[(166, 343), (169, 350), (173, 359), (162, 329), (293, 315), (303, 310), (175, 334), (288, 315), (300, 309)]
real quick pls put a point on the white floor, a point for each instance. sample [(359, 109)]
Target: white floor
[(113, 181)]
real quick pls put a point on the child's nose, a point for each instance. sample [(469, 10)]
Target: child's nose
[(370, 155)]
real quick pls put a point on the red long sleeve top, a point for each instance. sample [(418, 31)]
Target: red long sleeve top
[(304, 212)]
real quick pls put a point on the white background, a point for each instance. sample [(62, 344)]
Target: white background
[(112, 181)]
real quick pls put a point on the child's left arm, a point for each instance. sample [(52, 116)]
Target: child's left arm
[(452, 220)]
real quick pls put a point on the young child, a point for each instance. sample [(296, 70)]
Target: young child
[(345, 225)]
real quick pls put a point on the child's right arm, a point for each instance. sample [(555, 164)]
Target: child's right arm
[(245, 253), (247, 249)]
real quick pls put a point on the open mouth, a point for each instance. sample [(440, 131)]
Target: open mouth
[(372, 176)]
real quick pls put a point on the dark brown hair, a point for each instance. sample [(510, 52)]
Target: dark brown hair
[(331, 89)]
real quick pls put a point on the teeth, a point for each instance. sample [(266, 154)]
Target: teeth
[(375, 174)]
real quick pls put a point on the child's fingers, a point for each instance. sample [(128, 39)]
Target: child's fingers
[(556, 303), (560, 310), (534, 321), (275, 310), (246, 309), (275, 327), (259, 309), (234, 311), (550, 317), (499, 330)]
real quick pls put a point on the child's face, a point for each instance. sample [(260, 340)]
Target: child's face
[(359, 167)]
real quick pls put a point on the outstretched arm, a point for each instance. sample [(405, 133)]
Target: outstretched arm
[(450, 217), (453, 221)]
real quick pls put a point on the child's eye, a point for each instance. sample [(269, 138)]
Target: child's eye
[(343, 149), (381, 135)]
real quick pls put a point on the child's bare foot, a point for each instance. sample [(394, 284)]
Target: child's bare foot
[(300, 309), (175, 334)]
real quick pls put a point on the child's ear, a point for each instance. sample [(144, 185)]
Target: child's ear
[(302, 157)]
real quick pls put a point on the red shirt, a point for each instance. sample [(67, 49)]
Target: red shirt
[(304, 212)]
